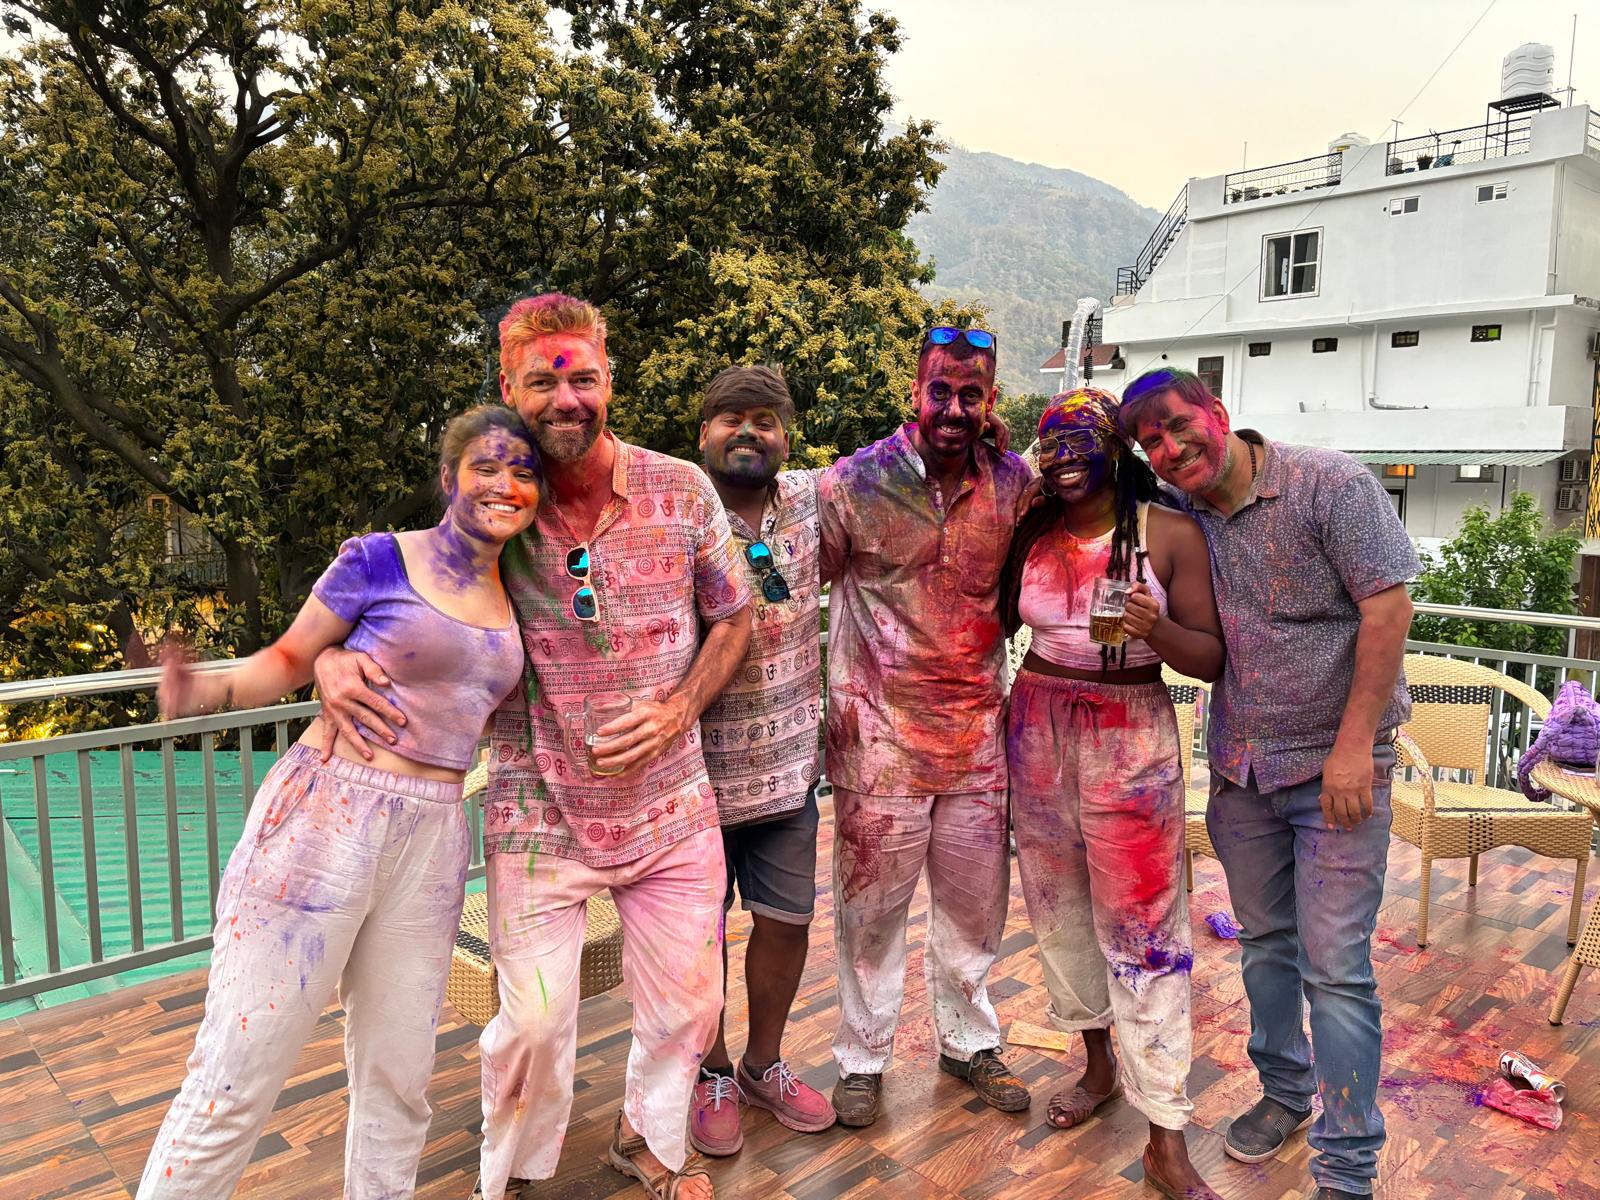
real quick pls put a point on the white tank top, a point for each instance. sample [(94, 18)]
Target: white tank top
[(1057, 584)]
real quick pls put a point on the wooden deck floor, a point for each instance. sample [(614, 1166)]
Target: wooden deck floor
[(83, 1087)]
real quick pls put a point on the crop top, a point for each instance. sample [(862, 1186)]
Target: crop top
[(445, 674), (1057, 584)]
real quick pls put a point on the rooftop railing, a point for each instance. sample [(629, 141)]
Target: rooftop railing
[(1131, 279), (113, 840), (1282, 179), (1592, 147), (1476, 143)]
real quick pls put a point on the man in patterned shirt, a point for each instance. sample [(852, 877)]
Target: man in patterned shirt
[(762, 746), (630, 552), (915, 529), (1310, 565)]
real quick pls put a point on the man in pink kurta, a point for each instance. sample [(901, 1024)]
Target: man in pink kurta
[(915, 529)]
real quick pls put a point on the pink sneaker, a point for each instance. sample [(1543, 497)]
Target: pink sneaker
[(797, 1105), (714, 1125)]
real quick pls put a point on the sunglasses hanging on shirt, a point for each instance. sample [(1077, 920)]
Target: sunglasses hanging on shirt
[(773, 585), (584, 604)]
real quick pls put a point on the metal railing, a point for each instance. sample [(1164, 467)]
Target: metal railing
[(1476, 143), (1131, 279), (1282, 179), (1592, 146), (114, 840)]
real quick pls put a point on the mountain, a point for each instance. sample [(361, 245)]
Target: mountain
[(1026, 241)]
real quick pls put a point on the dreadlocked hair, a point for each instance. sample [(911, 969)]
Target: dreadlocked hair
[(1135, 484)]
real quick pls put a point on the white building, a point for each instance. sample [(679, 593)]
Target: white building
[(1430, 305)]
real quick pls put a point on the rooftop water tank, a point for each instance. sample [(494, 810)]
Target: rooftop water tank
[(1529, 70), (1347, 141)]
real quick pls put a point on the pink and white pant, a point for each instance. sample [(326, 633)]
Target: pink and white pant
[(670, 903), (881, 844), (1097, 802), (345, 877)]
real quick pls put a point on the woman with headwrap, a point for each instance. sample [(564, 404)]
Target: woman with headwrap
[(1096, 787)]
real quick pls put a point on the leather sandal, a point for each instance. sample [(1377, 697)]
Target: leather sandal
[(659, 1187), (1075, 1105)]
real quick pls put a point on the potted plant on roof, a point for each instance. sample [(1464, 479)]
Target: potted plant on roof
[(1424, 161)]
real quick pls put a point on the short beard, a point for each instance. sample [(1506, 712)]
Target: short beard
[(750, 477), (567, 446)]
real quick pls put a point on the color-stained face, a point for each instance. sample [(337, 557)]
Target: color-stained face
[(560, 384), (953, 399), (744, 448), (1078, 444), (1188, 446), (494, 494)]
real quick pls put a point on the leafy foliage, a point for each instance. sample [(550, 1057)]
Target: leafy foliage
[(1509, 561), (1022, 414), (252, 251)]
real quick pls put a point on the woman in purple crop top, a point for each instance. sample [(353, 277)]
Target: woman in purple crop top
[(1096, 788), (350, 872)]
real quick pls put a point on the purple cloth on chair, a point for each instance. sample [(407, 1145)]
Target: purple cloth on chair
[(1570, 736)]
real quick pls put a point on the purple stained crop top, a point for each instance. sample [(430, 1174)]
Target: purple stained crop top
[(445, 674)]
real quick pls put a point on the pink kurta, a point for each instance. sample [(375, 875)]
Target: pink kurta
[(661, 560)]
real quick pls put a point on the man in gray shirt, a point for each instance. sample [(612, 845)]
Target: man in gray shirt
[(1310, 563)]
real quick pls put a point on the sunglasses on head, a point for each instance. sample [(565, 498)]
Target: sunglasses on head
[(944, 335), (773, 585), (584, 605)]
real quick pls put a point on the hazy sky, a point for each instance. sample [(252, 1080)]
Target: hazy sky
[(1146, 93)]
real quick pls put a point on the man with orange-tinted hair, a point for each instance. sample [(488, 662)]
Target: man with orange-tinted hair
[(630, 554)]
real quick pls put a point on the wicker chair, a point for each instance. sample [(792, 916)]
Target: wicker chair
[(1450, 729), (1186, 699), (473, 987)]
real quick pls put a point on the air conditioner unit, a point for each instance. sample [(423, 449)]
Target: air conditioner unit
[(1571, 499), (1575, 470)]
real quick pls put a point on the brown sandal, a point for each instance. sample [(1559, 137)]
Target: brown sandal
[(1075, 1105), (665, 1185)]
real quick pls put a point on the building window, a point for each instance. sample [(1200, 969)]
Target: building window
[(1475, 473), (1401, 338), (1210, 372), (1289, 264), (1489, 192), (1400, 471), (1398, 499), (1260, 349), (1486, 333), (1324, 345), (1405, 204)]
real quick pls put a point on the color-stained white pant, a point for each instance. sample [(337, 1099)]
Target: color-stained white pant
[(881, 844), (670, 903), (1097, 801), (345, 877)]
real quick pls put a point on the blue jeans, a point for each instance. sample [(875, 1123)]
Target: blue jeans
[(1308, 898)]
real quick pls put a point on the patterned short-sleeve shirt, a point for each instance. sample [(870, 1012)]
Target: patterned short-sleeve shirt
[(661, 559), (1290, 567), (762, 735)]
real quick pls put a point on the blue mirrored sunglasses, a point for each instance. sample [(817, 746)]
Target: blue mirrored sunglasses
[(978, 339), (773, 585), (585, 606)]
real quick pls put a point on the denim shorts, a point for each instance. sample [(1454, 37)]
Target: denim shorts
[(774, 864)]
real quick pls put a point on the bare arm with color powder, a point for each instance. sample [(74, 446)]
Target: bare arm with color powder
[(266, 675)]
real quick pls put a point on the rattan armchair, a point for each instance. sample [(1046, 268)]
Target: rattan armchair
[(1451, 703), (473, 987)]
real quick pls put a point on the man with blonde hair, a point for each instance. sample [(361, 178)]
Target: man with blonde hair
[(630, 553)]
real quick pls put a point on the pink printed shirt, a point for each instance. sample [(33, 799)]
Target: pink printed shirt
[(662, 559), (916, 653), (763, 733)]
